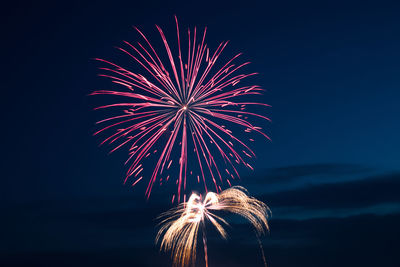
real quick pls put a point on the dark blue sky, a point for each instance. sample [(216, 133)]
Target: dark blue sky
[(331, 174)]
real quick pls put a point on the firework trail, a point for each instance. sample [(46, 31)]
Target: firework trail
[(180, 105), (179, 229)]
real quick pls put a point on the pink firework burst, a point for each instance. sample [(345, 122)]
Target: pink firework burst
[(181, 105)]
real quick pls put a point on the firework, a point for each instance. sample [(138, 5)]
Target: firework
[(180, 105), (179, 229)]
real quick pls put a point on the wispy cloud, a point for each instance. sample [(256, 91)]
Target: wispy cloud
[(312, 205)]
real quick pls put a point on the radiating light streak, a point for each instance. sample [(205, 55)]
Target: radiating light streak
[(180, 105)]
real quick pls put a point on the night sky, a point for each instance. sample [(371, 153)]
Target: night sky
[(331, 174)]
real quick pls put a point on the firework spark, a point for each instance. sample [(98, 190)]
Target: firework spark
[(181, 105), (179, 229)]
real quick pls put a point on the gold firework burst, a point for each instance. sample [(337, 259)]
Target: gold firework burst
[(180, 226)]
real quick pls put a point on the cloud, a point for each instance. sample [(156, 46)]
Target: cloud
[(371, 195), (293, 177), (325, 217), (294, 173), (365, 240), (350, 194)]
